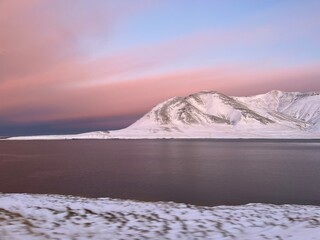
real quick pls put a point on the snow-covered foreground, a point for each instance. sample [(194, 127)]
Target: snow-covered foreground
[(25, 216)]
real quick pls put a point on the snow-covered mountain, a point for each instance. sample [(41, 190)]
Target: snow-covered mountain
[(210, 114)]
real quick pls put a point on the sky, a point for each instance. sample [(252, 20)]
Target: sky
[(71, 66)]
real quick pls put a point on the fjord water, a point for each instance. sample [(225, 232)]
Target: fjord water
[(202, 172)]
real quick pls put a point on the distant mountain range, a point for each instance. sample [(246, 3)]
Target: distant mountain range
[(210, 114)]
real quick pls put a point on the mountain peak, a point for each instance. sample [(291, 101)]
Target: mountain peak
[(275, 92), (198, 95)]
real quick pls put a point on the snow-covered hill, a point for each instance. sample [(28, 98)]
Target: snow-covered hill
[(209, 114)]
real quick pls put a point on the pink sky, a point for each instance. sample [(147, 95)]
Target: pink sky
[(72, 60)]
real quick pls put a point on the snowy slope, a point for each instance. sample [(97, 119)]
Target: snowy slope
[(209, 114), (64, 217), (301, 109)]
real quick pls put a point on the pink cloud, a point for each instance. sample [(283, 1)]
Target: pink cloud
[(45, 76), (36, 35)]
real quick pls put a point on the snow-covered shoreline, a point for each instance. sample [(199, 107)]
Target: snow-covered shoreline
[(25, 216), (205, 134)]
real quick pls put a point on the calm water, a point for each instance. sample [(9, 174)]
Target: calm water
[(203, 172)]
